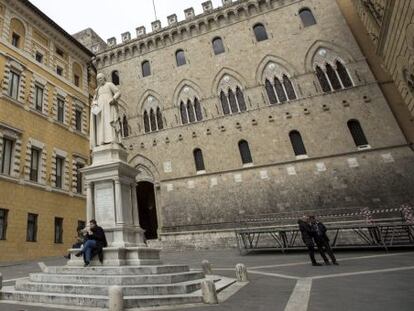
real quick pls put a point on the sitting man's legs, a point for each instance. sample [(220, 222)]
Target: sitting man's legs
[(87, 250)]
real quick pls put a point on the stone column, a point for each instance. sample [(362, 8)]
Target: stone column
[(90, 209), (118, 199)]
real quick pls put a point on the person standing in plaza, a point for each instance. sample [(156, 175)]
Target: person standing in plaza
[(307, 237), (322, 240)]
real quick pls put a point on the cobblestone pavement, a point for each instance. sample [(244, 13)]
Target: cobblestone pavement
[(363, 281)]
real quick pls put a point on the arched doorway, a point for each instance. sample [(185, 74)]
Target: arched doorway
[(147, 209)]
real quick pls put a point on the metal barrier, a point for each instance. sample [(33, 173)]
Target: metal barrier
[(385, 235)]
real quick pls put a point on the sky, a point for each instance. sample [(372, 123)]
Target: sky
[(110, 18)]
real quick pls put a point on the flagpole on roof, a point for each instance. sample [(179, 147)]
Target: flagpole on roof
[(155, 10)]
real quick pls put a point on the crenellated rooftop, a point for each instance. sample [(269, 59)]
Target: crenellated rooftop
[(176, 31)]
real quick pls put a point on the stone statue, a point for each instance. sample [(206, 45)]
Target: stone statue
[(104, 126)]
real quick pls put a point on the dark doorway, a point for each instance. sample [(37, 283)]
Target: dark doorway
[(147, 209)]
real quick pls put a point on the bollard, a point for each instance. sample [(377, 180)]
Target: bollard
[(241, 273), (1, 281), (116, 299), (208, 288), (206, 267)]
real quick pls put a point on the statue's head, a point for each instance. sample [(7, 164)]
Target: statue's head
[(101, 79)]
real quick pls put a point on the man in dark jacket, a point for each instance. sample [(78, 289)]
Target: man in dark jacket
[(322, 240), (307, 237), (95, 241)]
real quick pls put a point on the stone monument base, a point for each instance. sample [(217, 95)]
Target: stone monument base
[(120, 256)]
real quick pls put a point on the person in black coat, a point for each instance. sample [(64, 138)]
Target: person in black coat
[(95, 241), (307, 237), (322, 240)]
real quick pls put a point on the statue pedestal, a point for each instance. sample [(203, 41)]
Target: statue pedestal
[(112, 201)]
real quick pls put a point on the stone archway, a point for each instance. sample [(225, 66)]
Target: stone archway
[(147, 209)]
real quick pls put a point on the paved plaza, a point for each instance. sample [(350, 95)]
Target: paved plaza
[(366, 281)]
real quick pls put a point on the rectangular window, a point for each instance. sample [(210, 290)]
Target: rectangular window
[(31, 235), (60, 52), (59, 71), (7, 156), (14, 83), (78, 120), (79, 183), (15, 39), (34, 165), (58, 230), (61, 110), (38, 98), (60, 162), (76, 80), (3, 223), (39, 57)]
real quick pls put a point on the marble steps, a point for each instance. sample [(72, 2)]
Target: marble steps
[(9, 293), (122, 280), (125, 270), (102, 290)]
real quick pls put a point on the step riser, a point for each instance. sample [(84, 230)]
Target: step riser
[(98, 302), (103, 291), (115, 280), (118, 270), (56, 300), (145, 303)]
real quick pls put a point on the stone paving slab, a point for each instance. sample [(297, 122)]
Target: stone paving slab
[(379, 291)]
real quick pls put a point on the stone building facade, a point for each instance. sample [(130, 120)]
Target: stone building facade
[(385, 32), (46, 82), (251, 109)]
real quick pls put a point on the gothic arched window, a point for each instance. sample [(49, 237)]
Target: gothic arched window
[(190, 111), (199, 113), (233, 102), (115, 77), (153, 122), (199, 160), (159, 119), (240, 99), (146, 122), (290, 91), (307, 17), (146, 68), (333, 78), (270, 92), (280, 90), (323, 81), (183, 112), (260, 32), (180, 58), (357, 133), (224, 103), (343, 74), (218, 46), (297, 143), (245, 154)]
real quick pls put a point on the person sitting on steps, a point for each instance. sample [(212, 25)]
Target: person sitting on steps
[(95, 241)]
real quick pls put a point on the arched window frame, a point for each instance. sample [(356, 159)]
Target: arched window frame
[(160, 122), (346, 71), (218, 49), (305, 23), (245, 153), (146, 69), (320, 73), (298, 145), (180, 58), (199, 161), (183, 113), (115, 77), (358, 134), (258, 35), (147, 127)]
